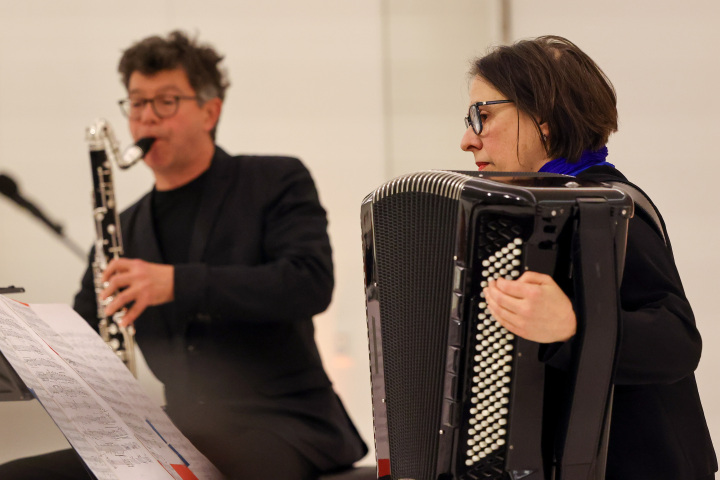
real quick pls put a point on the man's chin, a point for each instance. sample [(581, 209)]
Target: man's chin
[(157, 164)]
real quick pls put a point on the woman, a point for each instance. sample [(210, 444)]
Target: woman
[(543, 105)]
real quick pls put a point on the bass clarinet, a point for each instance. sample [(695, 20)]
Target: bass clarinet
[(104, 151)]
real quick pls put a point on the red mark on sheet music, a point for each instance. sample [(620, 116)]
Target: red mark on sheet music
[(383, 467), (184, 472), (51, 348)]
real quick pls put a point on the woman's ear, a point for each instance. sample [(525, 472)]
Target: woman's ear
[(544, 131)]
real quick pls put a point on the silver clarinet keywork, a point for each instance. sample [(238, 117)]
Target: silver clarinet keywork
[(108, 238)]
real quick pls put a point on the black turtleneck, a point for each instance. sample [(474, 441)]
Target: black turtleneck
[(174, 213)]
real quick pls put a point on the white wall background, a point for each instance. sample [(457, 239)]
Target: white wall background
[(362, 91)]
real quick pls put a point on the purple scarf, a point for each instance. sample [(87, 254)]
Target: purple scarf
[(587, 159)]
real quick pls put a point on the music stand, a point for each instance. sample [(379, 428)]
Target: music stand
[(12, 387)]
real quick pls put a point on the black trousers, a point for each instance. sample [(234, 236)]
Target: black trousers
[(262, 455), (60, 465)]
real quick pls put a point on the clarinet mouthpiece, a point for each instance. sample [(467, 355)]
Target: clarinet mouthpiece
[(136, 152)]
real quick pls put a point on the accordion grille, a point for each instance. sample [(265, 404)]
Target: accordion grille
[(419, 232)]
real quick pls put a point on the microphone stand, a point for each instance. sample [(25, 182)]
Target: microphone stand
[(9, 188), (74, 247)]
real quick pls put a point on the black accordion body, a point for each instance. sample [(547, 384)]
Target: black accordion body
[(455, 395)]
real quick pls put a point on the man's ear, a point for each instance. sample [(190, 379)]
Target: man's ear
[(212, 109)]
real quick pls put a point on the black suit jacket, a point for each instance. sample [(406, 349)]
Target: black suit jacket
[(658, 430), (236, 348)]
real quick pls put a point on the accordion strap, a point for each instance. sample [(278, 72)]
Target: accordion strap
[(644, 204), (596, 303)]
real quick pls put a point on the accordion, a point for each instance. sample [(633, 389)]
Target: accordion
[(455, 395)]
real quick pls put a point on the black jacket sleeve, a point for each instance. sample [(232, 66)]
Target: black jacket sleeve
[(659, 340), (660, 343), (291, 277), (85, 300)]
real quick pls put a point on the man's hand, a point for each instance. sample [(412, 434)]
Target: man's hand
[(142, 283), (532, 307)]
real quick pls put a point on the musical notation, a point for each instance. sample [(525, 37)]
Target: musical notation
[(93, 398)]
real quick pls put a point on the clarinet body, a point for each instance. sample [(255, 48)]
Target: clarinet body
[(104, 150)]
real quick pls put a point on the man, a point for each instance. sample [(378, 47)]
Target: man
[(226, 261)]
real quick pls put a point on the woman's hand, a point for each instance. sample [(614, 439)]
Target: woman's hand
[(532, 307)]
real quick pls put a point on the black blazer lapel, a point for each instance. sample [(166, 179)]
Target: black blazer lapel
[(217, 185)]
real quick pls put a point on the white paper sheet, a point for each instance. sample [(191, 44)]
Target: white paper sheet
[(93, 398)]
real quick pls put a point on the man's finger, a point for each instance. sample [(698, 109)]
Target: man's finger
[(132, 314), (110, 270), (117, 282), (120, 300), (116, 265)]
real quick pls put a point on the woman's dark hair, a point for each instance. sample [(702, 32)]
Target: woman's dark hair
[(551, 80), (199, 61)]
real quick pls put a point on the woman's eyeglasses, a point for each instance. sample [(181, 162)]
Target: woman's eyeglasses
[(473, 118)]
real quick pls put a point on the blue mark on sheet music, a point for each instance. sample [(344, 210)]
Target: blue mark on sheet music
[(155, 430), (185, 462), (179, 456)]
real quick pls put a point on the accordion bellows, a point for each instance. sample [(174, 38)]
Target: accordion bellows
[(455, 395)]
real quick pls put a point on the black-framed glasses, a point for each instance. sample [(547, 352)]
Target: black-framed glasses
[(164, 105), (473, 118)]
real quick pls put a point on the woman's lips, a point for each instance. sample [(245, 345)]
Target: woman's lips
[(481, 166)]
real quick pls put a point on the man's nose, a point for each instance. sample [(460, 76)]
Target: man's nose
[(147, 113)]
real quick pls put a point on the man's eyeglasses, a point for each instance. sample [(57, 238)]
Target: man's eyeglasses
[(164, 105), (473, 117)]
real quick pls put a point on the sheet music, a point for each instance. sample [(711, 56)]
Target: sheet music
[(93, 398)]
